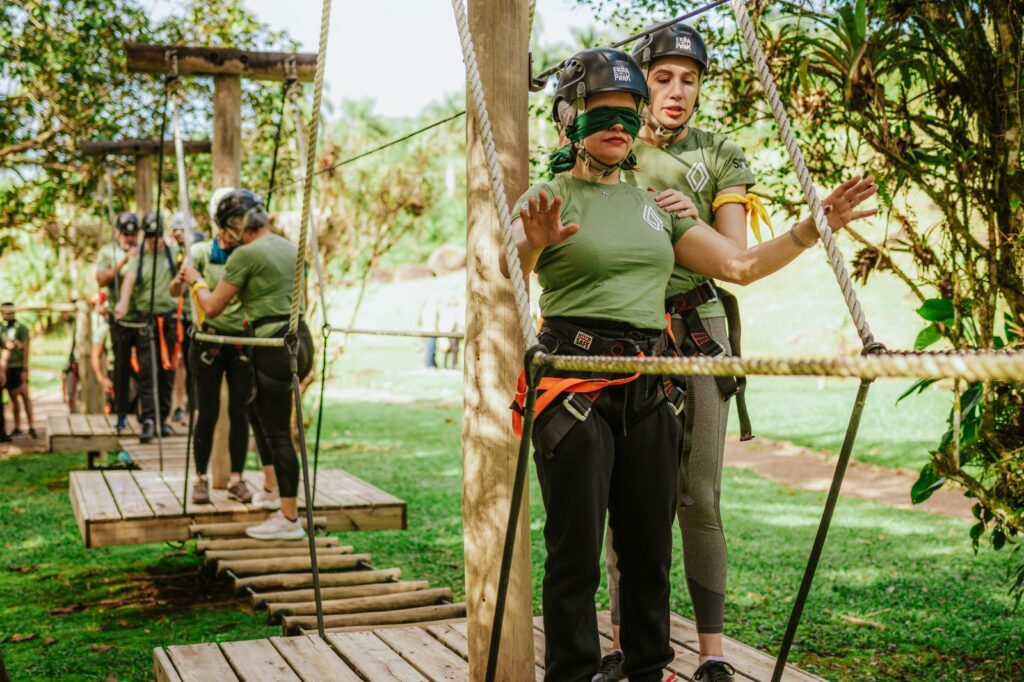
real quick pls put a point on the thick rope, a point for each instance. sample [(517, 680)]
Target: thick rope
[(828, 241), (980, 365), (483, 121), (415, 333), (314, 235), (307, 185)]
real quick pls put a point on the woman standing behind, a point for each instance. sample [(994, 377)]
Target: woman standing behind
[(260, 273), (216, 361)]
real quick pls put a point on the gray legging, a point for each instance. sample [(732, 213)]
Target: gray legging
[(700, 485)]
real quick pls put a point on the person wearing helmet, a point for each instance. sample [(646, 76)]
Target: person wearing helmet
[(260, 274), (145, 299), (111, 267), (183, 320), (604, 252), (704, 176), (216, 362)]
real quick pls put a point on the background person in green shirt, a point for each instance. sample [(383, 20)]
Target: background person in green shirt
[(260, 274), (16, 341), (111, 266), (146, 299), (604, 253), (214, 362)]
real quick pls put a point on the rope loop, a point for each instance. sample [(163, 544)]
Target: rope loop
[(534, 369)]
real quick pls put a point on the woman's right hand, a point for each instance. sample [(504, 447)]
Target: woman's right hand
[(542, 222)]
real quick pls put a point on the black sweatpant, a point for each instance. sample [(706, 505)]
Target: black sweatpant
[(149, 344), (623, 461), (122, 340), (214, 362), (270, 411)]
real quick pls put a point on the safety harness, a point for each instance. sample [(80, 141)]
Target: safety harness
[(582, 392), (696, 340)]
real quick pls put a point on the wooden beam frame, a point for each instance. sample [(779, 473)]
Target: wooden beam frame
[(220, 61), (140, 147)]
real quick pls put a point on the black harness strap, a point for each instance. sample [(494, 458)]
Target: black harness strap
[(732, 318)]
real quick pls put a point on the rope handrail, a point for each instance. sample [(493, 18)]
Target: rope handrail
[(977, 365), (255, 341), (414, 333)]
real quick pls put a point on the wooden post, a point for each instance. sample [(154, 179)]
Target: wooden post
[(143, 184), (227, 170), (494, 350)]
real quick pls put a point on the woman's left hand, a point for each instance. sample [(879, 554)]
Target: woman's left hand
[(840, 205), (675, 201)]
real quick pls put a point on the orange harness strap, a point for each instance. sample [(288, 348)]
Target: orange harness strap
[(165, 358), (135, 361), (179, 332), (550, 388)]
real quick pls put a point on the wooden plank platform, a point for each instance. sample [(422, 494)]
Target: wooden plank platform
[(424, 653), (95, 432), (138, 507)]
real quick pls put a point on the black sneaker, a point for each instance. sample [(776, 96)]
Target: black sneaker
[(610, 669), (715, 671), (32, 434), (15, 432), (4, 438), (165, 430), (148, 432)]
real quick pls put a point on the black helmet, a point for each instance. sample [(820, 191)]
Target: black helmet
[(677, 40), (127, 222), (599, 69), (152, 224), (237, 204)]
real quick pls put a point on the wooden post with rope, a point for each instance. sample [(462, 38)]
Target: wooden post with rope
[(228, 67), (493, 343)]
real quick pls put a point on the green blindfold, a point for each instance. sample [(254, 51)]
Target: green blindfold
[(594, 121)]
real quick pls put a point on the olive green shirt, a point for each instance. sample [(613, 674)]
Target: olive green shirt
[(229, 322), (700, 166), (106, 259), (163, 302), (264, 272), (9, 333), (618, 264)]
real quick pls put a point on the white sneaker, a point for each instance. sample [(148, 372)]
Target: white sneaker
[(270, 501), (277, 527)]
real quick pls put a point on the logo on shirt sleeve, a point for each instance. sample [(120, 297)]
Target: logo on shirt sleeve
[(698, 176), (652, 218)]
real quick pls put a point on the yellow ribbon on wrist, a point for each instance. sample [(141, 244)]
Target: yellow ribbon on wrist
[(200, 313), (754, 207)]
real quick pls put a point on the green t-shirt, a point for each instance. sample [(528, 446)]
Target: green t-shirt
[(163, 302), (108, 256), (264, 271), (616, 267), (11, 332), (230, 320), (700, 165)]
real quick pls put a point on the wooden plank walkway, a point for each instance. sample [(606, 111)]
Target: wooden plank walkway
[(429, 653), (45, 404), (122, 507), (95, 432)]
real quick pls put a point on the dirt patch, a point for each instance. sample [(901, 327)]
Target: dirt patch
[(808, 469)]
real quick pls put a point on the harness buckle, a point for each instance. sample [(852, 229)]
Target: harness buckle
[(575, 411)]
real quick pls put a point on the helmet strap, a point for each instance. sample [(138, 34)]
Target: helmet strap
[(595, 167)]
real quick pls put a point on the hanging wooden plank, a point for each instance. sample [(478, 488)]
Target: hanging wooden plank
[(249, 543), (451, 638), (160, 498), (285, 584), (258, 660), (313, 660), (139, 147), (422, 614), (296, 564), (129, 498), (273, 553), (374, 660), (95, 496), (200, 663), (300, 597), (423, 652), (382, 602), (163, 669)]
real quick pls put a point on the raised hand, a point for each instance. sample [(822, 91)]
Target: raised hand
[(840, 205), (675, 201), (542, 222)]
